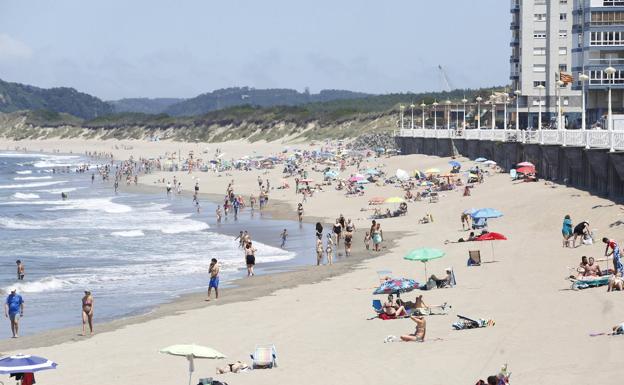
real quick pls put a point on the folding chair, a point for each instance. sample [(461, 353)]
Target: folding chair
[(474, 258), (264, 357), (377, 306)]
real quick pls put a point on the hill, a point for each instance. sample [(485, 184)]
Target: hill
[(16, 97), (143, 105), (239, 96)]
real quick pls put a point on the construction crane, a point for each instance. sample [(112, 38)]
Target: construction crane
[(445, 81)]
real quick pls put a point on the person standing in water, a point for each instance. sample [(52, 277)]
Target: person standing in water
[(87, 312), (214, 278), (284, 235), (329, 249), (300, 212), (20, 270), (250, 258), (219, 214)]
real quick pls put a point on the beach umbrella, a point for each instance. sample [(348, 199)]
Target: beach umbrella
[(487, 213), (331, 174), (354, 179), (424, 255), (393, 286), (362, 181), (491, 237), (489, 163), (372, 171), (402, 174), (191, 352), (455, 164), (526, 170), (23, 363), (470, 211), (394, 200), (525, 164), (432, 171), (480, 160)]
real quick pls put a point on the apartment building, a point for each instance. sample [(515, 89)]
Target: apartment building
[(541, 48), (598, 38)]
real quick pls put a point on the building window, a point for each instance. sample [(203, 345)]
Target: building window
[(563, 33), (539, 67), (563, 67), (539, 17), (599, 77), (607, 18), (539, 34), (539, 51), (536, 102), (612, 3), (566, 101), (539, 83), (563, 1), (563, 50), (600, 38), (563, 16)]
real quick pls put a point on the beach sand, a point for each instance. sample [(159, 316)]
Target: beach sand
[(322, 329)]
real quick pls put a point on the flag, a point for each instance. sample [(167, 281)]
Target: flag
[(566, 78)]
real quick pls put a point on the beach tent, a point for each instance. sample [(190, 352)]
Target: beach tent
[(402, 175), (191, 352)]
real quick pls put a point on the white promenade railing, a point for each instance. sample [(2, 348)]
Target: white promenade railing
[(612, 140)]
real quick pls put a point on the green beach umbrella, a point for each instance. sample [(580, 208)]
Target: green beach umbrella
[(191, 352), (424, 255)]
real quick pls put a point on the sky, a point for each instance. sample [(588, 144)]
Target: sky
[(181, 48)]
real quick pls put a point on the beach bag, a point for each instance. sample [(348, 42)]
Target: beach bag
[(588, 241)]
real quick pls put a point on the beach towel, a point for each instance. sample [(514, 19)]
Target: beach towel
[(579, 284)]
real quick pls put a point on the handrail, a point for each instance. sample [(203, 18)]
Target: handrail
[(612, 140)]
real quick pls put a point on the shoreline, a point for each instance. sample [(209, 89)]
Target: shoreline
[(240, 290)]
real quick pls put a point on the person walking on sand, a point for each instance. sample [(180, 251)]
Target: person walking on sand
[(566, 230), (213, 270), (20, 270), (284, 235), (300, 212), (377, 237), (319, 251), (615, 252), (250, 258), (14, 310), (329, 249), (87, 312)]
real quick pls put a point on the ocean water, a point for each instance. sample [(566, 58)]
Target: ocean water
[(133, 251)]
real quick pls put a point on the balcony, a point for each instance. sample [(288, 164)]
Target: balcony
[(514, 59), (514, 26)]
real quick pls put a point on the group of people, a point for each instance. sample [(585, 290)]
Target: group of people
[(581, 231)]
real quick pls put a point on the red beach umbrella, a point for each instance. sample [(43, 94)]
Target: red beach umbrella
[(491, 237), (526, 164), (526, 170)]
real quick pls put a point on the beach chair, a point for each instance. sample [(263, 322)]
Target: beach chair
[(377, 306), (474, 258), (264, 357)]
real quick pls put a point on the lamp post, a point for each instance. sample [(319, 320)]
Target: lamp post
[(505, 111), (464, 100), (610, 71), (435, 116), (412, 107), (479, 99), (540, 88), (423, 105), (517, 93), (402, 108), (560, 125), (584, 78), (448, 115), (493, 100)]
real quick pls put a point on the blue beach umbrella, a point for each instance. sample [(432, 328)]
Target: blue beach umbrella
[(455, 164), (393, 286), (487, 213), (22, 363), (480, 160)]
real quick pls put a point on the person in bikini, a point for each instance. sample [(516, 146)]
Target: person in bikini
[(392, 309), (87, 312), (419, 333)]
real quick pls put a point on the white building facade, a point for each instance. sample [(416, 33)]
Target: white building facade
[(542, 47), (598, 44)]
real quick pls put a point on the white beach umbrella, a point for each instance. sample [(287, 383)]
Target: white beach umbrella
[(191, 352)]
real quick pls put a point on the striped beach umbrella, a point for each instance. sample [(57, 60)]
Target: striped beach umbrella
[(22, 363)]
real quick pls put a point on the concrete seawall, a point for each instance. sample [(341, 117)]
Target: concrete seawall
[(596, 170)]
